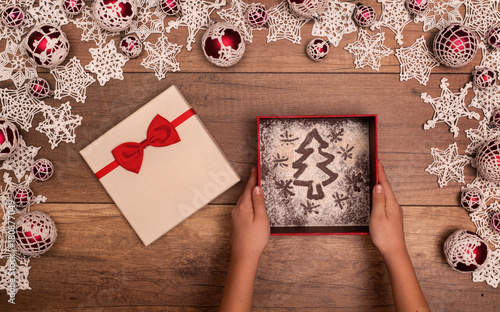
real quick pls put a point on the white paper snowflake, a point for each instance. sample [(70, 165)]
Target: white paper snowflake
[(482, 220), (394, 16), (149, 20), (161, 57), (236, 16), (449, 107), (416, 61), (335, 21), (107, 63), (20, 107), (17, 32), (438, 9), (195, 16), (15, 65), (71, 80), (490, 273), (487, 100), (49, 12), (283, 24), (481, 15), (90, 30), (21, 161), (59, 124), (481, 135), (368, 50), (448, 165)]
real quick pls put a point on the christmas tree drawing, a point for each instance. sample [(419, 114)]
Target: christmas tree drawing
[(312, 171)]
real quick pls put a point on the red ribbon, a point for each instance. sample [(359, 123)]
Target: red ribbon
[(160, 133)]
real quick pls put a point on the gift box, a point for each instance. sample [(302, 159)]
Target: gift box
[(317, 172), (160, 165)]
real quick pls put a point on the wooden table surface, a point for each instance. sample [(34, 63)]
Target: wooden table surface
[(99, 264)]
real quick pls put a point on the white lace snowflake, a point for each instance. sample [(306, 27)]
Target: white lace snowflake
[(107, 63), (90, 30), (490, 273), (195, 16), (161, 57), (283, 24), (449, 107), (335, 21), (487, 100), (21, 276), (438, 9), (482, 220), (481, 135), (416, 61), (149, 20), (59, 124), (236, 16), (20, 107), (15, 65), (21, 161), (17, 32), (368, 50), (489, 189), (481, 15), (49, 12), (448, 165), (394, 16), (71, 80), (491, 58)]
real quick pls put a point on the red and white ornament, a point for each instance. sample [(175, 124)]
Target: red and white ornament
[(495, 119), (38, 88), (36, 233), (43, 169), (131, 46), (317, 49), (417, 7), (12, 16), (22, 196), (114, 15), (465, 251), (472, 198), (170, 7), (307, 8), (72, 7), (484, 78), (9, 138), (223, 45), (494, 37), (495, 222), (364, 15), (47, 46), (256, 15), (488, 161), (455, 45)]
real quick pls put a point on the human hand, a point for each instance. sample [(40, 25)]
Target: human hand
[(250, 222)]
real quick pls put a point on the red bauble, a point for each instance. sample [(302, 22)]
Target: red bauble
[(12, 16), (9, 138), (465, 251), (257, 15), (417, 7), (114, 15), (131, 46), (38, 88), (494, 37), (455, 46), (484, 78), (22, 196), (495, 222), (317, 49), (488, 161), (170, 7), (223, 45), (307, 8), (364, 15), (496, 118), (35, 233), (73, 7), (472, 199), (47, 46), (43, 169)]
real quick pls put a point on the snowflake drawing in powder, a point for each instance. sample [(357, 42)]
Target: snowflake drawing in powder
[(309, 207), (335, 135), (280, 161), (287, 138)]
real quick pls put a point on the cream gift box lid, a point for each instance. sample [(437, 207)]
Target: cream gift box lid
[(174, 181)]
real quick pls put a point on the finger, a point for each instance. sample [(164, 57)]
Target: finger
[(378, 202), (384, 181), (259, 204), (246, 197)]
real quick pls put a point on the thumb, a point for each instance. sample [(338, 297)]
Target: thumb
[(259, 204), (378, 201)]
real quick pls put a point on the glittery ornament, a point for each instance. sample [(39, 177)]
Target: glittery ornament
[(114, 15), (455, 46), (472, 198), (223, 45), (465, 251), (417, 7), (256, 15), (12, 16), (495, 118), (484, 78), (494, 37), (364, 15), (72, 7), (22, 196), (131, 46), (43, 169), (307, 8), (9, 138), (38, 88), (488, 161), (35, 233), (47, 46), (495, 222), (317, 49), (169, 7)]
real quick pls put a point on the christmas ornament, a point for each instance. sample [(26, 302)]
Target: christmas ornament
[(307, 8), (465, 251), (256, 15), (495, 222), (131, 46), (71, 80), (106, 62), (368, 50), (472, 198), (114, 15), (455, 46), (448, 165), (9, 138), (59, 124), (480, 15), (161, 57), (416, 61), (440, 14), (21, 162), (38, 88), (43, 169), (364, 15), (317, 49), (284, 25), (395, 16), (169, 7), (484, 78), (22, 195), (482, 219), (494, 37), (223, 45), (36, 233), (47, 46), (12, 16), (417, 7), (335, 22), (73, 7), (495, 119), (488, 161)]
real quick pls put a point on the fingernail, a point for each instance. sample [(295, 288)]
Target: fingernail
[(378, 189), (257, 190)]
